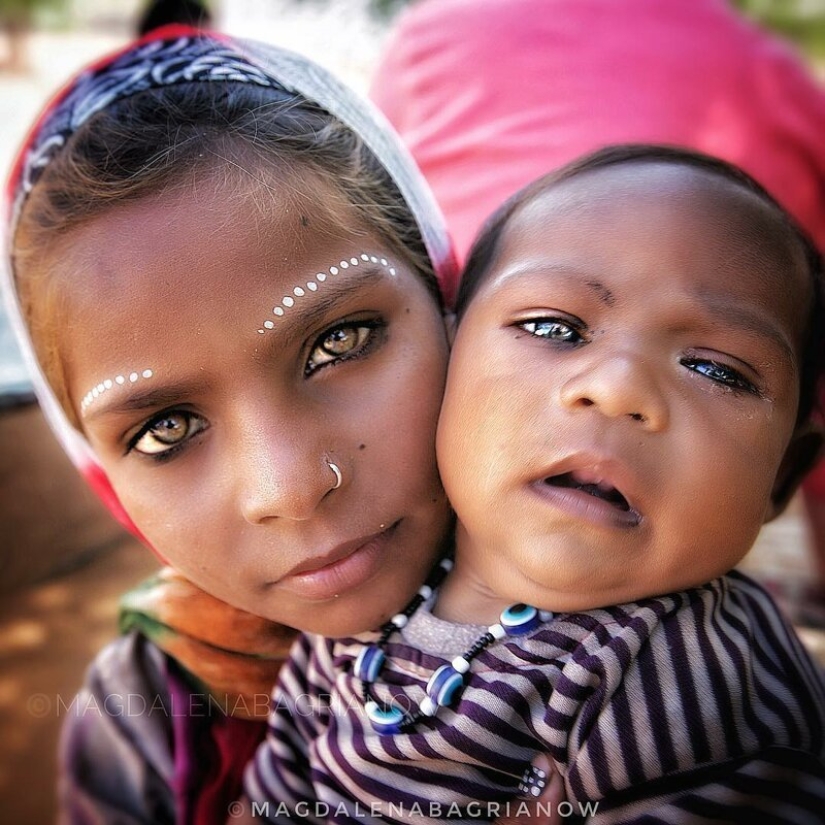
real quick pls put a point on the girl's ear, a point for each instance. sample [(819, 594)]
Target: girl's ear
[(805, 449), (450, 326)]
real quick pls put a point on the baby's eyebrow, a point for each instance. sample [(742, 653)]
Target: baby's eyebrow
[(758, 324)]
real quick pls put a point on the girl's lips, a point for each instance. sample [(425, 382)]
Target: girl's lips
[(344, 568), (583, 505)]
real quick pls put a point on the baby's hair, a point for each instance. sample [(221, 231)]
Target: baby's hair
[(154, 141), (485, 248)]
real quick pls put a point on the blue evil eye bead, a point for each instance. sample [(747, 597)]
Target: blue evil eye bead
[(519, 619), (368, 663), (444, 685), (384, 720)]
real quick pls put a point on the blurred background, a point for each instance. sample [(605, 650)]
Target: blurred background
[(63, 562)]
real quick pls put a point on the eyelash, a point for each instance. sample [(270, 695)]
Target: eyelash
[(553, 325), (367, 334), (715, 371), (721, 374), (366, 339), (154, 423)]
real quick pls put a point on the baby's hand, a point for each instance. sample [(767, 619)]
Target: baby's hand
[(543, 808)]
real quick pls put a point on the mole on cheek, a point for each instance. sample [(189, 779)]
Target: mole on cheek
[(362, 446)]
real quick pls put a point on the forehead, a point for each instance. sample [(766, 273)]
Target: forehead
[(658, 226), (202, 266), (211, 233)]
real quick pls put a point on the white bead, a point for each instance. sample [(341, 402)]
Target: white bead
[(133, 377), (354, 261), (546, 615), (333, 270), (344, 264), (371, 706), (446, 565), (312, 286), (399, 620), (269, 324), (364, 256), (425, 591), (108, 383), (147, 373), (288, 301), (321, 276), (428, 707), (497, 631), (278, 310), (460, 664), (120, 380), (298, 292)]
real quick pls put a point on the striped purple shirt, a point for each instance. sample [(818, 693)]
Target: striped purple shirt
[(697, 706)]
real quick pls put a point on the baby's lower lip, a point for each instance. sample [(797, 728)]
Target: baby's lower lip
[(583, 506), (348, 573)]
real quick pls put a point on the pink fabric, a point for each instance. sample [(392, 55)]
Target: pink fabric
[(489, 94)]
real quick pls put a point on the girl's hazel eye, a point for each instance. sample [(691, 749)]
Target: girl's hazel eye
[(552, 329), (166, 432), (720, 373), (339, 343)]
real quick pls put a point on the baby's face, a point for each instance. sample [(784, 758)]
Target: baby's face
[(225, 351), (622, 389)]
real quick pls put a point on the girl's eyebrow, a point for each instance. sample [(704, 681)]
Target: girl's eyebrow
[(151, 397), (314, 307), (129, 398)]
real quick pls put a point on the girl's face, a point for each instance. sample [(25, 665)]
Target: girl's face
[(228, 346), (622, 391)]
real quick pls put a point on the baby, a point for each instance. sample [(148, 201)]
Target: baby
[(628, 401)]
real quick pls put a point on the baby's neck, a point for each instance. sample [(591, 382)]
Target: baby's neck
[(464, 599)]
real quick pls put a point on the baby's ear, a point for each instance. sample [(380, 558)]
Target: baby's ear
[(805, 449), (450, 326)]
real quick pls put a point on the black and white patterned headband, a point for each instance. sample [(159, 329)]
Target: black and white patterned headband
[(153, 63)]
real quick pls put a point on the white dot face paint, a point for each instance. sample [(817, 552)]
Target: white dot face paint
[(110, 384), (298, 292)]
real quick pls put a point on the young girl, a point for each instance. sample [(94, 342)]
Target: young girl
[(228, 269), (628, 401)]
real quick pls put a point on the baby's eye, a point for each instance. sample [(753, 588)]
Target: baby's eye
[(720, 373), (552, 329), (167, 432), (341, 343)]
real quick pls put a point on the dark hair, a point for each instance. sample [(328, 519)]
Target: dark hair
[(152, 140), (485, 247), (159, 13)]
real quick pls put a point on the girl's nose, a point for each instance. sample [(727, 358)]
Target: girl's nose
[(620, 386), (285, 475)]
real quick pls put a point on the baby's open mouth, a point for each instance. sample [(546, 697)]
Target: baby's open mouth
[(601, 489)]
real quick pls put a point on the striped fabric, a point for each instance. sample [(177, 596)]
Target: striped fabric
[(697, 706)]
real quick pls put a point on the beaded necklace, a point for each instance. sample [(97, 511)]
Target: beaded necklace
[(445, 684)]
